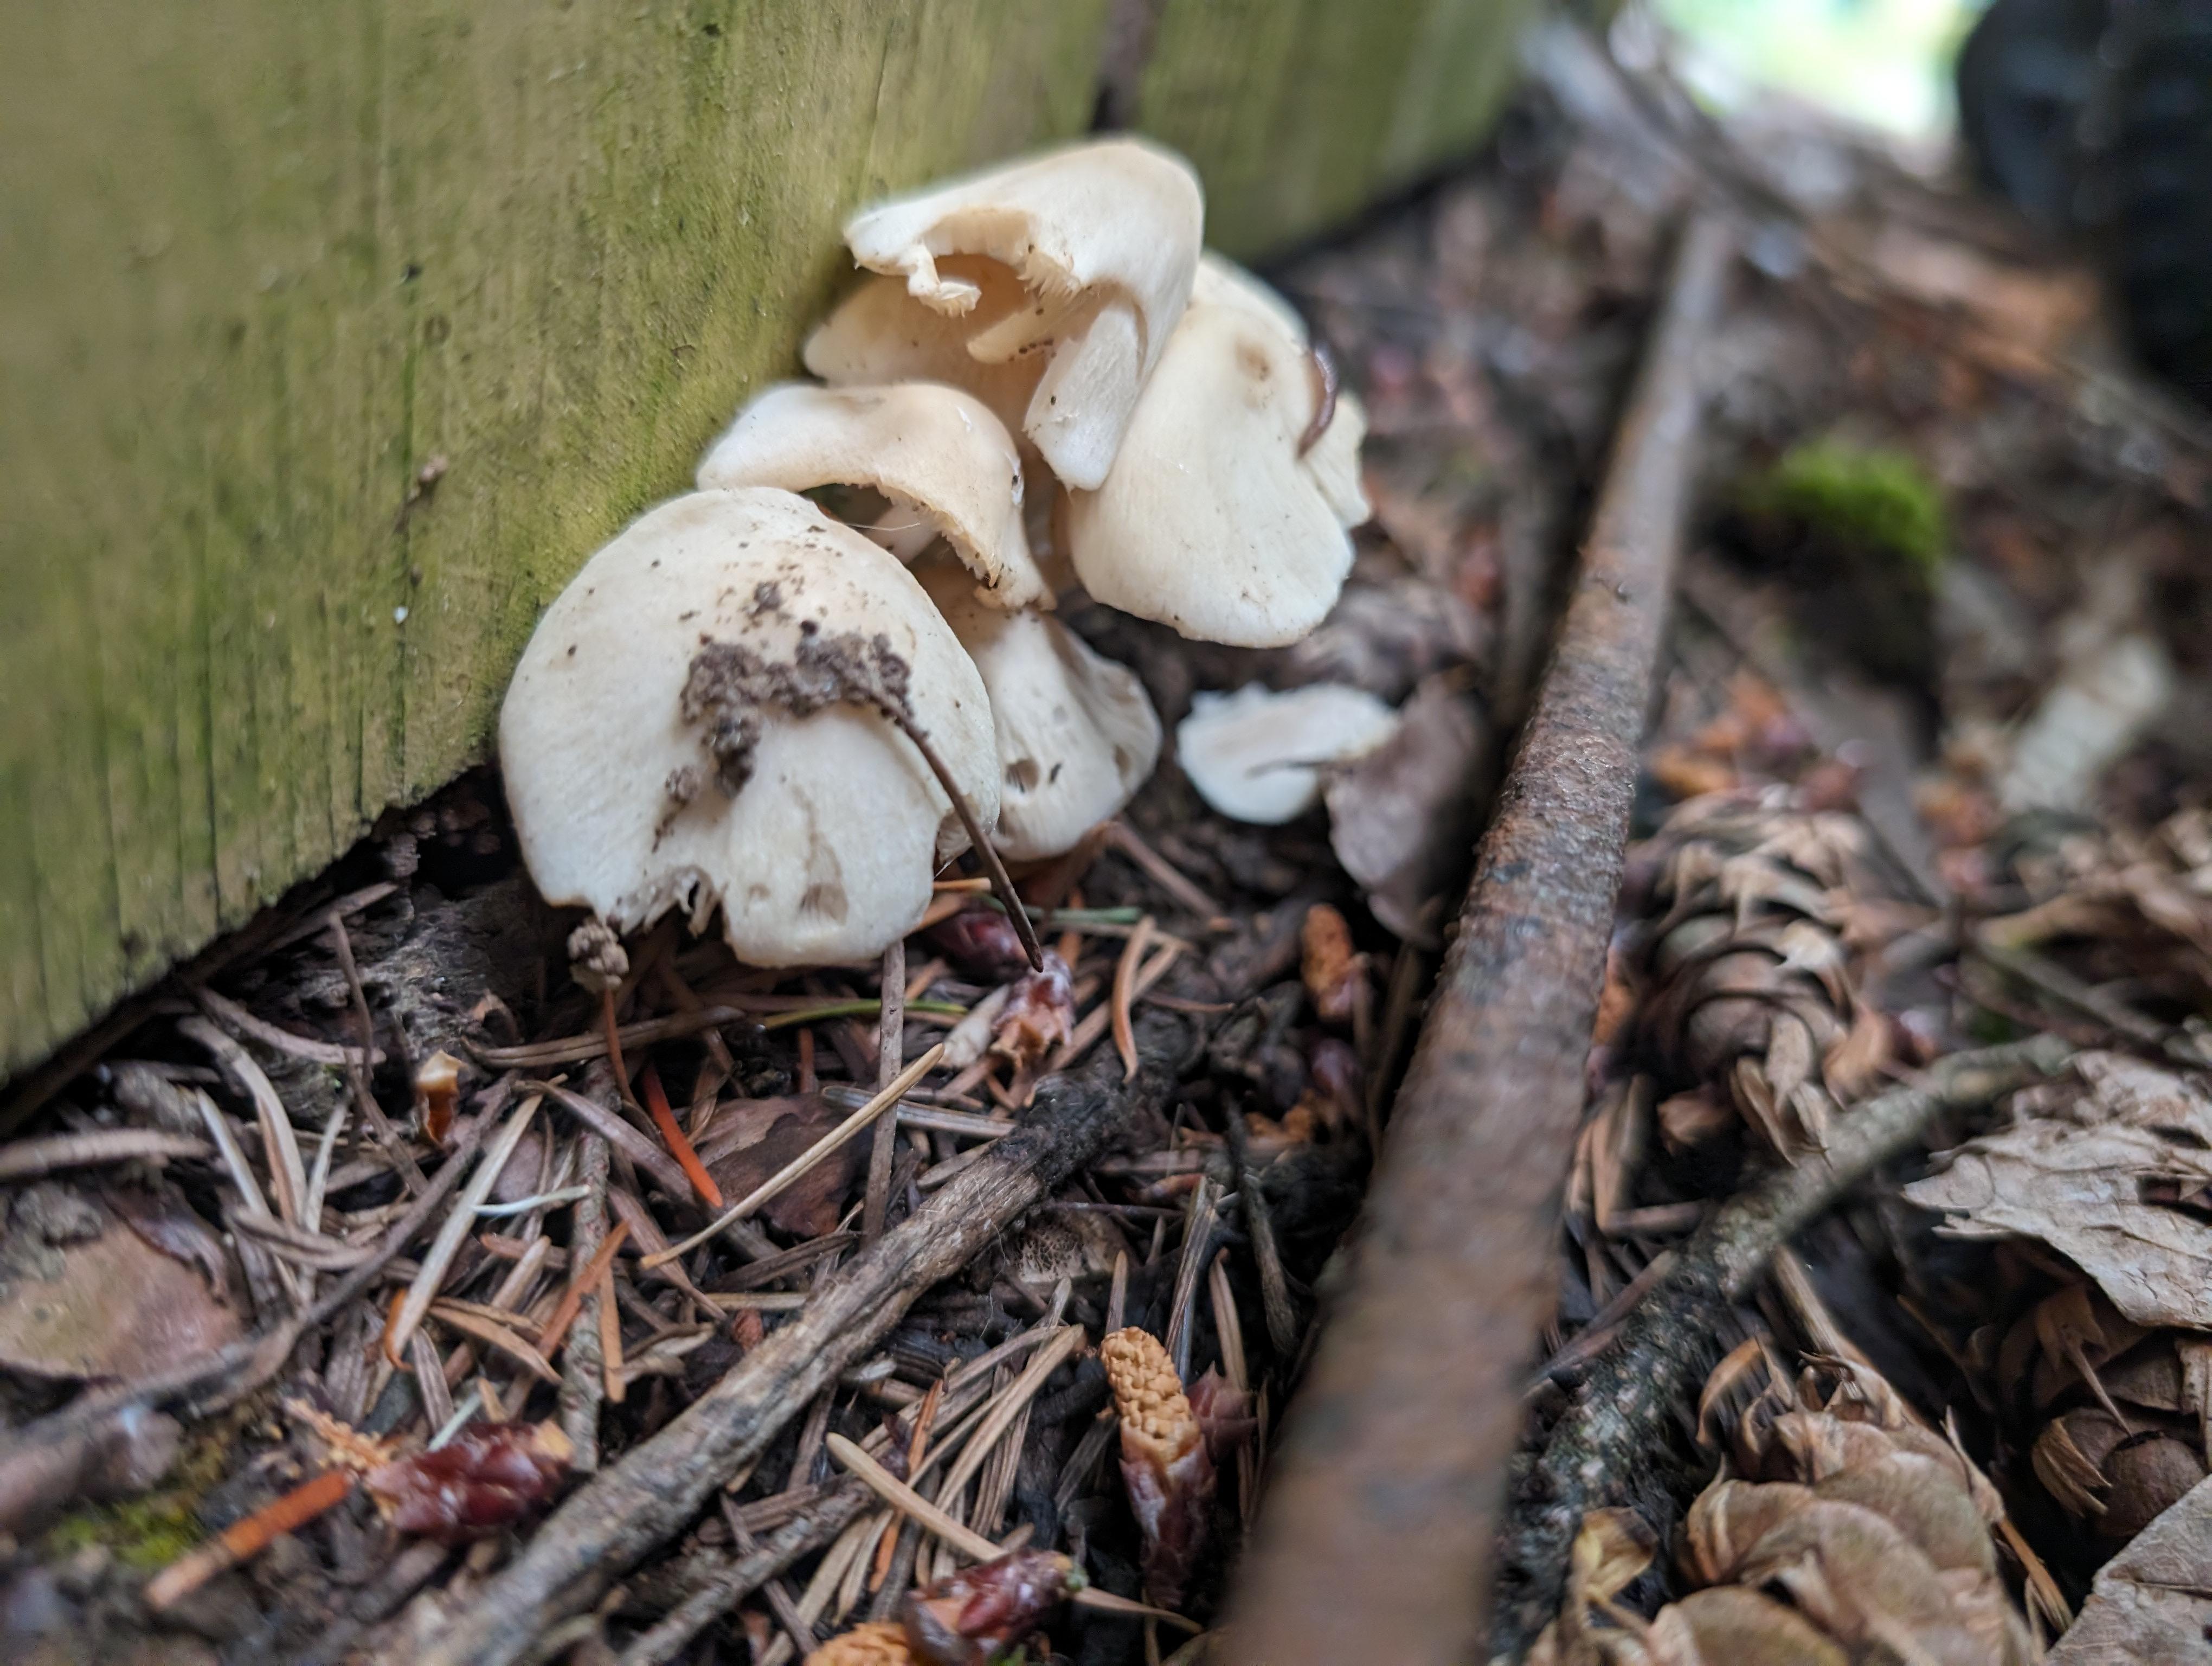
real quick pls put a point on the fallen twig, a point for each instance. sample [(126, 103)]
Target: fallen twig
[(1374, 1541), (660, 1484), (30, 1159), (1639, 1382)]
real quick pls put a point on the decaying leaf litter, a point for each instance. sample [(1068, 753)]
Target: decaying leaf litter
[(1926, 775)]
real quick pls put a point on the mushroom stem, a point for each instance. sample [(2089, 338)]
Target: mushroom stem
[(1002, 882)]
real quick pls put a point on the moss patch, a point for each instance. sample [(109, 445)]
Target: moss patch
[(1878, 500)]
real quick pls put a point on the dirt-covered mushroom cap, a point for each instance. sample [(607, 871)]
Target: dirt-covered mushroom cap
[(1102, 240), (683, 730), (1225, 514), (1075, 735), (1257, 754), (946, 466)]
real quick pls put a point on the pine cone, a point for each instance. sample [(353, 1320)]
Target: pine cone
[(1165, 1460), (1876, 1530), (1760, 915), (2113, 905)]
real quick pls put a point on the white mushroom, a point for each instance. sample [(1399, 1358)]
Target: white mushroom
[(1075, 735), (945, 464), (1102, 240), (701, 719), (1256, 756), (1226, 512)]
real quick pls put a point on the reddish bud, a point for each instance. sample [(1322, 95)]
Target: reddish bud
[(487, 1475), (977, 1614), (981, 942)]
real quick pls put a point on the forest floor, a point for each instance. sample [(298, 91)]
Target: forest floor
[(1929, 771)]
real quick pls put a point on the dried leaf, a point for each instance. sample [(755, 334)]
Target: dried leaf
[(2153, 1600), (879, 1643), (811, 1205), (114, 1308), (1401, 817), (2078, 1181)]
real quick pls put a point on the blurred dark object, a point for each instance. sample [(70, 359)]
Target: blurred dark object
[(2156, 185), (2025, 75), (2094, 118)]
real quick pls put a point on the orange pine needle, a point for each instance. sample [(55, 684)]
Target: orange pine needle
[(572, 1298), (611, 1348), (614, 1038), (392, 1324), (247, 1538), (687, 1159)]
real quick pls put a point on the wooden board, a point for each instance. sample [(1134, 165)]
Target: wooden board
[(261, 264), (1301, 113)]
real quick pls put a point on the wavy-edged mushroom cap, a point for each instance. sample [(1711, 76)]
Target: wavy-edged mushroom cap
[(1223, 516), (1256, 755), (1104, 240), (947, 466), (680, 734), (1075, 735), (880, 334)]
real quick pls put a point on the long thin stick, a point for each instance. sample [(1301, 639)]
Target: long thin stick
[(886, 1096), (1376, 1539), (890, 1048)]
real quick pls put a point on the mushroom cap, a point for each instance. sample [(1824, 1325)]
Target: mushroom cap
[(939, 454), (827, 851), (1103, 238), (1075, 735), (1256, 755), (879, 334), (1211, 521)]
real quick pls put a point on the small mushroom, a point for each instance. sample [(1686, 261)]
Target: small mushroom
[(1075, 735), (945, 465), (1101, 238), (737, 702), (1227, 513), (1256, 755)]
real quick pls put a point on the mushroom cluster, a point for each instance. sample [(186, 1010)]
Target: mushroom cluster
[(793, 694)]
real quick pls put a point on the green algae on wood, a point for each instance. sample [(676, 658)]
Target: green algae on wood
[(1298, 114)]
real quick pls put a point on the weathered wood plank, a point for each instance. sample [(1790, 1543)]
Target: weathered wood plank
[(1300, 112), (260, 262)]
